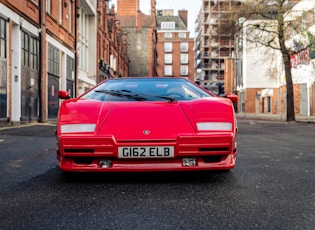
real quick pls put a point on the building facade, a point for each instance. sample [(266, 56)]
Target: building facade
[(47, 46), (213, 46), (175, 47)]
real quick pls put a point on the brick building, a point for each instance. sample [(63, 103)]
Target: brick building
[(48, 45), (175, 48), (38, 43), (142, 38), (113, 60)]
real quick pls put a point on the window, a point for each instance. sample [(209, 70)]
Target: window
[(167, 47), (29, 50), (113, 62), (168, 58), (168, 25), (84, 41), (182, 35), (3, 38), (70, 76), (183, 58), (168, 70), (53, 60), (48, 6), (25, 49), (167, 35), (184, 46), (70, 68), (34, 51), (183, 70)]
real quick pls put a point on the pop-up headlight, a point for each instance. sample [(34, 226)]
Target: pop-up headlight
[(78, 128), (214, 126)]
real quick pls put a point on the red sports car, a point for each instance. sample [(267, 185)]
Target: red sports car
[(146, 124)]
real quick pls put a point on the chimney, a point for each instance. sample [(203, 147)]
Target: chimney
[(153, 14), (139, 25), (127, 7), (112, 10), (183, 15)]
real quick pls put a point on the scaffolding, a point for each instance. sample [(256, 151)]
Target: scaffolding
[(213, 46)]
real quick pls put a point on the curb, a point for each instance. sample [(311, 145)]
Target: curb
[(274, 117), (27, 125)]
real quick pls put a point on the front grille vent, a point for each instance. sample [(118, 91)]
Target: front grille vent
[(79, 150), (213, 149)]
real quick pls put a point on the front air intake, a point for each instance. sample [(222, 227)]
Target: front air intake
[(212, 159), (218, 149)]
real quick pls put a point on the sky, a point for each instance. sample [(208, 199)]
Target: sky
[(192, 6)]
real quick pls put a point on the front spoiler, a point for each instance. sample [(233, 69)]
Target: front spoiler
[(68, 164), (97, 149)]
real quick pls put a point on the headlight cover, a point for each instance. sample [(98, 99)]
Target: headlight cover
[(78, 128), (214, 126)]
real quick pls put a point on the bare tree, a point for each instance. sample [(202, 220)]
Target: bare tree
[(271, 23)]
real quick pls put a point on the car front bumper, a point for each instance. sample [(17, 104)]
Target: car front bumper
[(100, 154)]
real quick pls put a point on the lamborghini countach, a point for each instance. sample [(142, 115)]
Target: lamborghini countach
[(146, 124)]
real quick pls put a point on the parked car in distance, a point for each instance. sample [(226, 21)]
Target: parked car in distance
[(146, 124)]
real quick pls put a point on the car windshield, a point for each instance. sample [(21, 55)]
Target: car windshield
[(146, 89)]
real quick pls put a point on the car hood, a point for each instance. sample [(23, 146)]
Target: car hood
[(144, 120)]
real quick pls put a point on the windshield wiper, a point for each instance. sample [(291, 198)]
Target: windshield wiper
[(123, 93), (170, 99), (112, 91), (130, 95)]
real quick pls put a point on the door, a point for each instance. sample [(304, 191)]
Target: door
[(3, 68), (29, 78), (53, 101), (53, 81)]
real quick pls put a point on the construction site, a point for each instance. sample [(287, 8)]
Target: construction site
[(212, 45)]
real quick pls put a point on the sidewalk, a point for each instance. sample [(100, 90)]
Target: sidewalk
[(30, 129), (273, 117)]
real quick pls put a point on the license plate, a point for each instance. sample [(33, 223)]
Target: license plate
[(146, 152)]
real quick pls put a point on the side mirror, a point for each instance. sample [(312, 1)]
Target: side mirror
[(233, 97), (63, 94)]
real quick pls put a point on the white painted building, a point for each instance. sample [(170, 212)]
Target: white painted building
[(256, 70), (87, 50), (259, 72)]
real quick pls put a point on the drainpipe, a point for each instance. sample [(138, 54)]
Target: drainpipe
[(40, 69), (77, 14)]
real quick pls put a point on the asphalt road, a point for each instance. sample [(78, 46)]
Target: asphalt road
[(272, 186)]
